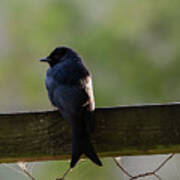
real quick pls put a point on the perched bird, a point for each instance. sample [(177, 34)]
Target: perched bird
[(69, 87)]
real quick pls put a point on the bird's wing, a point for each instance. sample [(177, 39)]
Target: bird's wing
[(76, 102), (69, 98)]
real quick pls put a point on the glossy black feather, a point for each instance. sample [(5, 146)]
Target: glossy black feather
[(70, 89)]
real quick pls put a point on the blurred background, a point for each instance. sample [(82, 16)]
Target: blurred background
[(130, 46)]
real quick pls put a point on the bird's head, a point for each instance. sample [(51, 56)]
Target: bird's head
[(58, 55)]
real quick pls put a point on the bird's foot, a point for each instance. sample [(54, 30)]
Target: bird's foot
[(54, 108)]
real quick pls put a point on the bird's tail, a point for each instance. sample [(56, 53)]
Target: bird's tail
[(82, 145)]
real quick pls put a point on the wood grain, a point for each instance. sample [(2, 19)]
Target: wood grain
[(123, 130)]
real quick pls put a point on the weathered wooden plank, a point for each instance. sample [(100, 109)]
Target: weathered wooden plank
[(124, 130)]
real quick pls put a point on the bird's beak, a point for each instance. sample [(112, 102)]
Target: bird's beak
[(46, 59)]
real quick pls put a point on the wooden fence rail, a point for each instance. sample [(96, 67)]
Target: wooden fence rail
[(124, 130)]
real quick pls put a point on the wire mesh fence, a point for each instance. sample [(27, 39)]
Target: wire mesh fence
[(157, 167)]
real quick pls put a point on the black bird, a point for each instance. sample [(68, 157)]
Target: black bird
[(69, 87)]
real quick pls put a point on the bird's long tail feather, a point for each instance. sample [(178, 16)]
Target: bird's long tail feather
[(81, 145)]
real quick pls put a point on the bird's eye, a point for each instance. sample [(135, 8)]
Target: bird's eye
[(56, 57)]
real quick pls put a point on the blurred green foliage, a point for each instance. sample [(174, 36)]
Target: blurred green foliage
[(131, 47)]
